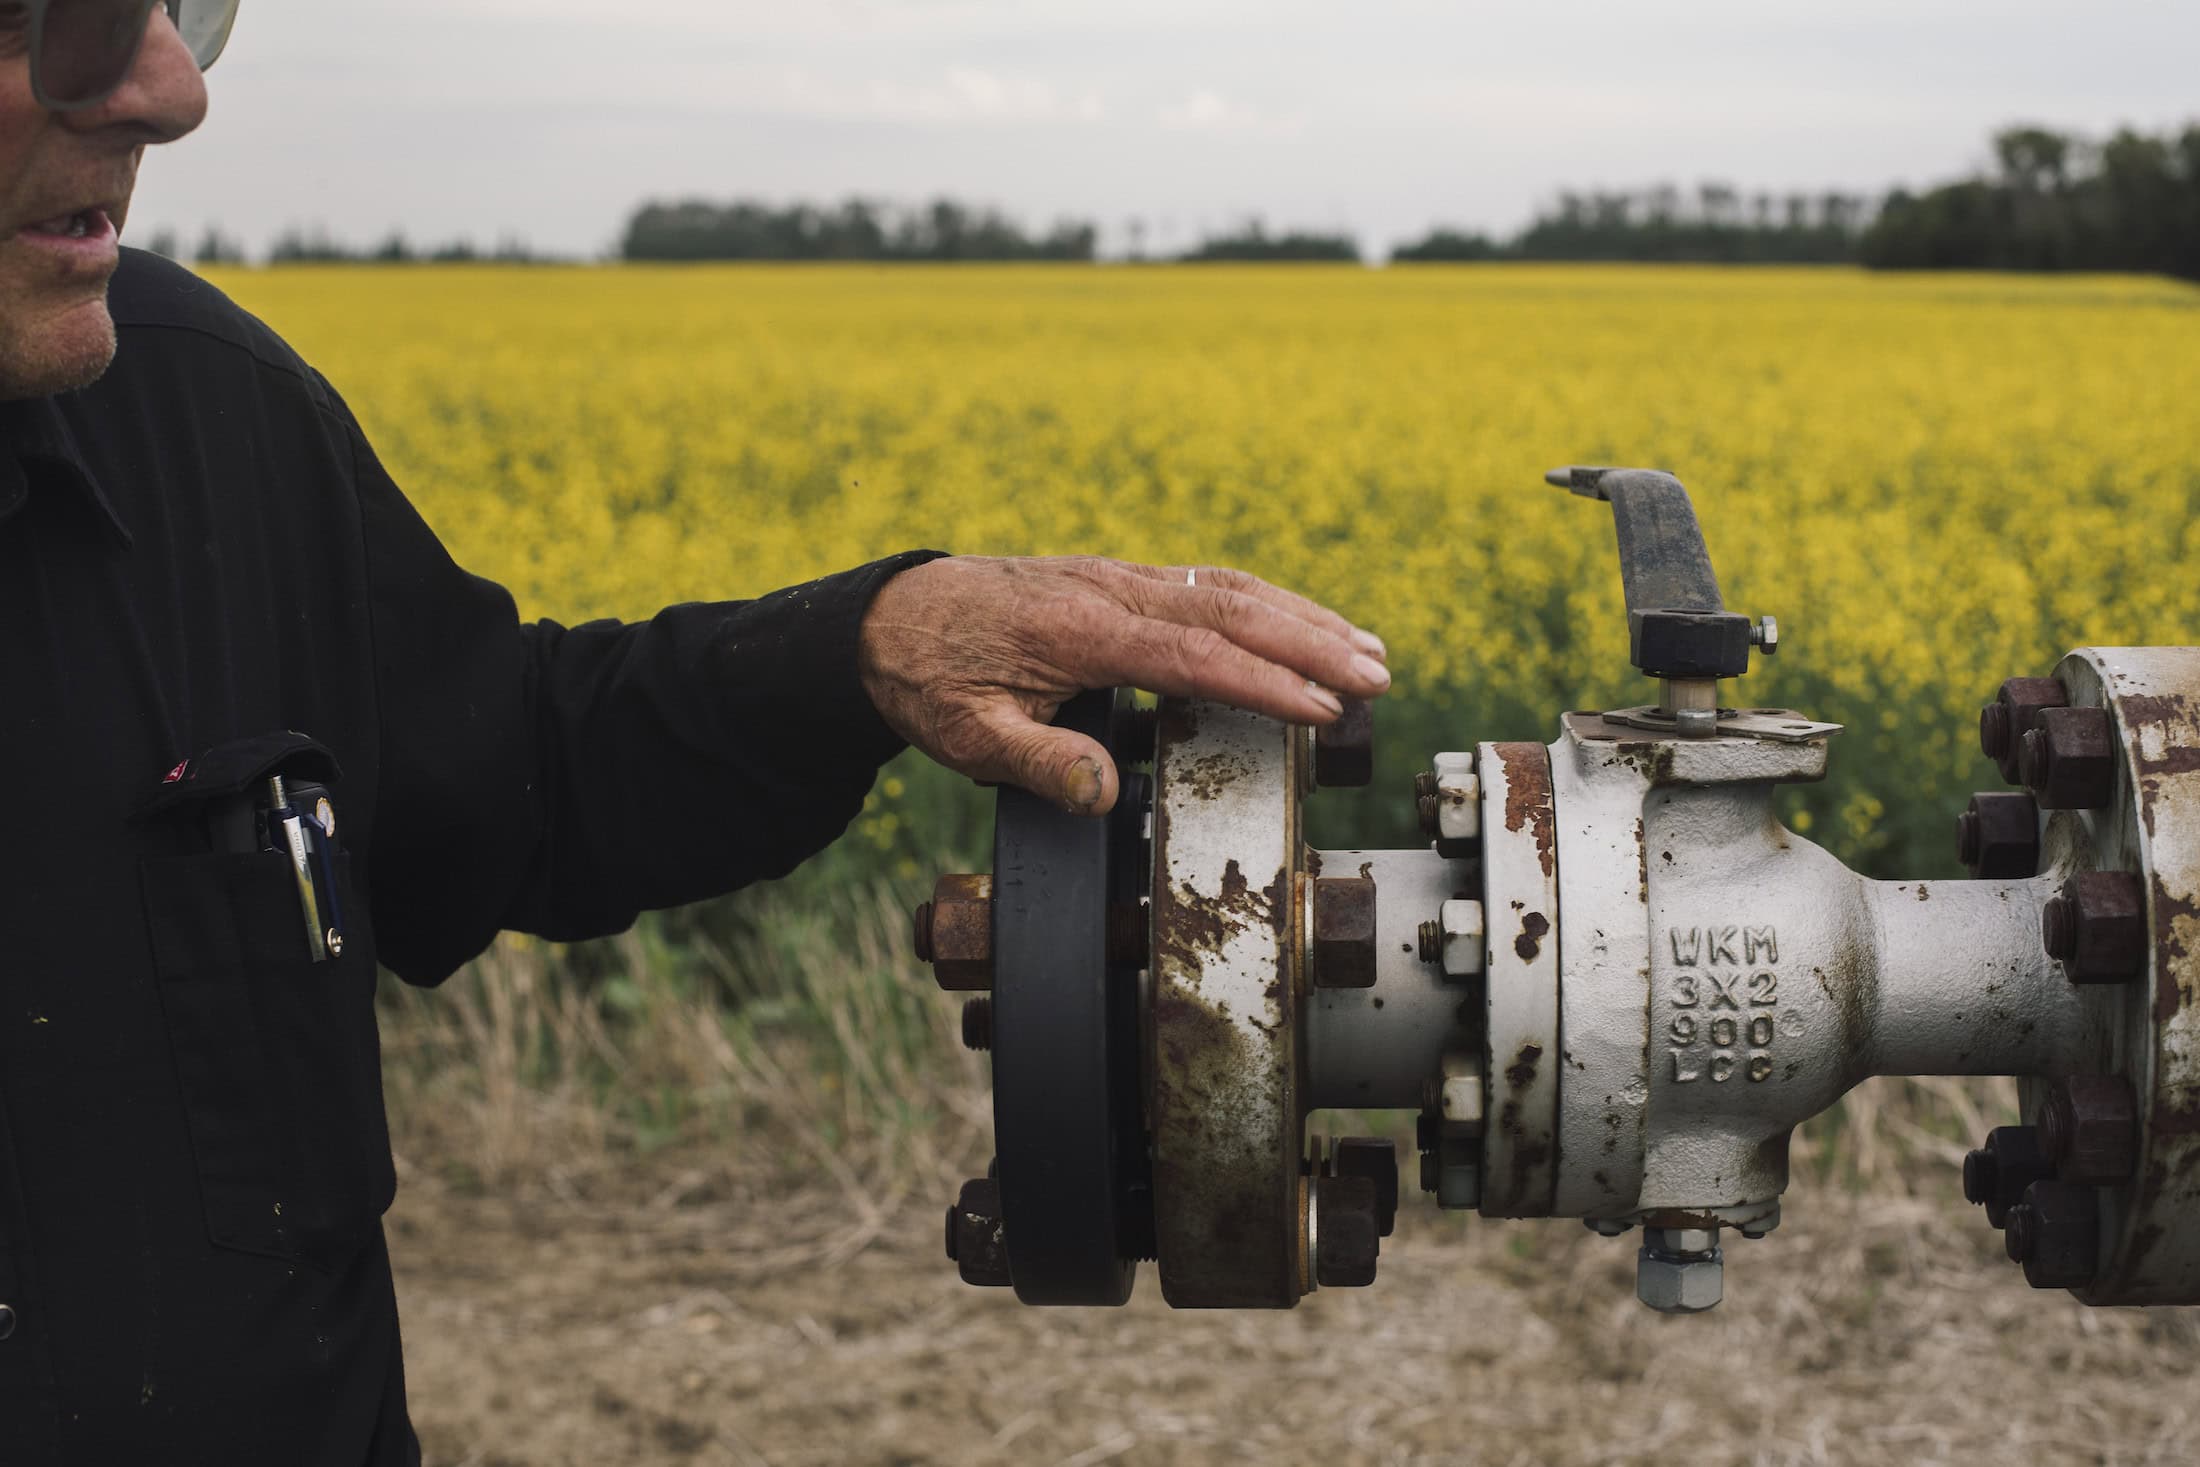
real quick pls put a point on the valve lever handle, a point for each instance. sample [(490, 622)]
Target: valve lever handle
[(1677, 626)]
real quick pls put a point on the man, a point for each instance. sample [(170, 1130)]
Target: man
[(207, 586)]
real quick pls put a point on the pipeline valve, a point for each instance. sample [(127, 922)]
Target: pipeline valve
[(1610, 984)]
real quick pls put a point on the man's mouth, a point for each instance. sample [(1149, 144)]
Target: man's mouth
[(91, 223)]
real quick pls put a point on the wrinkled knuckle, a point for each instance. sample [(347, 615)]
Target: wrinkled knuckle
[(963, 740), (1198, 647)]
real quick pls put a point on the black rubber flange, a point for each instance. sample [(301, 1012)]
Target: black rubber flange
[(1076, 1206)]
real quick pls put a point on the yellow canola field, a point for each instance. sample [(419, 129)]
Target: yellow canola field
[(1933, 481)]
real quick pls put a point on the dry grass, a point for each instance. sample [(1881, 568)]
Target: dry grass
[(807, 1058)]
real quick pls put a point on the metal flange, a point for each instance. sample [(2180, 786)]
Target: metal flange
[(1229, 914), (1520, 905), (2147, 1029), (1067, 1128)]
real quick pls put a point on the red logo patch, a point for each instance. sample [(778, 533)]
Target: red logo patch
[(176, 773)]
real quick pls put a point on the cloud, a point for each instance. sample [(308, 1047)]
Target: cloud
[(1205, 110), (960, 94)]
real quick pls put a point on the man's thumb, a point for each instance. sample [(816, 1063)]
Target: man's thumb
[(1063, 768)]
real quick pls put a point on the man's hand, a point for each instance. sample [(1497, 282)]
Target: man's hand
[(969, 658)]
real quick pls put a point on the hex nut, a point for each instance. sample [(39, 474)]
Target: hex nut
[(1347, 1232), (1344, 931), (2096, 926), (1998, 836), (960, 933), (1375, 1158), (2055, 1232), (1995, 1175), (1464, 937), (2068, 759), (2003, 723), (977, 1239), (1680, 1242), (1344, 748), (1459, 1180), (1458, 805), (2089, 1128), (1459, 1095), (1673, 1285), (1460, 1101)]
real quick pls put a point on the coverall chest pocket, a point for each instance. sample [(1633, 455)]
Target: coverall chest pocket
[(276, 1054)]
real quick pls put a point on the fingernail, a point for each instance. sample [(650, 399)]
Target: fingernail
[(1084, 784), (1326, 698), (1367, 669), (1369, 643)]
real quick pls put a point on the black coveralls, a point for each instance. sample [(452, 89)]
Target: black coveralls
[(198, 554)]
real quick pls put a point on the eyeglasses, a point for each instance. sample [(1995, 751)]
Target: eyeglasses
[(82, 50)]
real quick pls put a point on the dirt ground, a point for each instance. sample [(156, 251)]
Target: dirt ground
[(663, 1318)]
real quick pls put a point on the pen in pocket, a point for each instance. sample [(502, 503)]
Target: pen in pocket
[(287, 820)]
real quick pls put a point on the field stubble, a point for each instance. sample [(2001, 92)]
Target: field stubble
[(674, 1197)]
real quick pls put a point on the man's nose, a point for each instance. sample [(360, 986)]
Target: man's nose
[(162, 98)]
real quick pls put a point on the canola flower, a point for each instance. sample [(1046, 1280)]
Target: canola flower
[(1933, 481)]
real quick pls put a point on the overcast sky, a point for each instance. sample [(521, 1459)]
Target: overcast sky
[(551, 119)]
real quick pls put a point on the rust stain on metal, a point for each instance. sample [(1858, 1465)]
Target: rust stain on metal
[(1642, 863), (2179, 754), (1520, 1074), (1223, 1078), (1528, 798), (1534, 927), (2176, 921), (1193, 925)]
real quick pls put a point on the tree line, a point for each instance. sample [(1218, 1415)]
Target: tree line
[(1714, 223), (2055, 201), (857, 229), (300, 245), (2050, 201)]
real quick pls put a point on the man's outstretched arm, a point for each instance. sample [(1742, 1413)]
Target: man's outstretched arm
[(561, 780)]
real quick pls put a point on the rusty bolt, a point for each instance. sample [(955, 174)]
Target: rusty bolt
[(978, 1023), (976, 1240), (1428, 810), (1998, 837), (1431, 935), (2097, 928), (2003, 723), (1347, 1232), (1344, 748), (1375, 1158), (2055, 1232), (2068, 759), (1995, 1176), (955, 932), (1424, 785), (2089, 1127), (1344, 931)]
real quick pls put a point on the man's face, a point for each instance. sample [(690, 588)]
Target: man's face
[(65, 185)]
